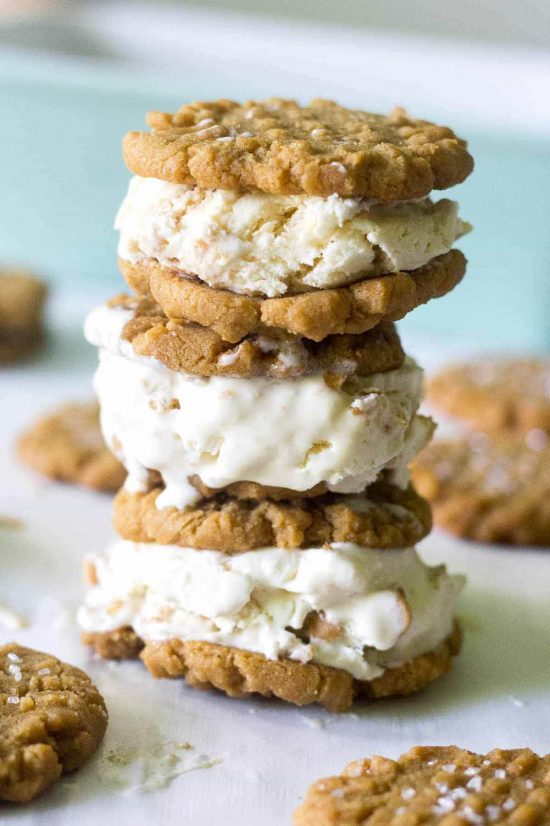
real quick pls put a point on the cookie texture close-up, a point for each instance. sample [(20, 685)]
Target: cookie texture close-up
[(279, 147), (67, 445), (315, 314), (434, 785), (52, 719), (496, 395), (190, 348), (22, 301), (488, 489), (384, 517), (239, 673)]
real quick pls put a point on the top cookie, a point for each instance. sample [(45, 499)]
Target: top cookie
[(280, 147), (496, 395)]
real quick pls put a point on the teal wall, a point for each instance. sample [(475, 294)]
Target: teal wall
[(62, 179), (504, 300)]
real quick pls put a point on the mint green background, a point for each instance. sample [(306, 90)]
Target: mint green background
[(62, 179)]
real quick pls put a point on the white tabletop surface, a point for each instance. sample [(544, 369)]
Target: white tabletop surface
[(253, 759)]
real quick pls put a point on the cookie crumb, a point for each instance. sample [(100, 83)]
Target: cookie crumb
[(142, 770)]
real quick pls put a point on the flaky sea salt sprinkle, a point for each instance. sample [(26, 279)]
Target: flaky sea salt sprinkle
[(475, 783), (443, 806), (15, 672), (408, 794)]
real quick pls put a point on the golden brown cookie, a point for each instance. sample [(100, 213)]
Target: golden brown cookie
[(491, 490), (434, 785), (22, 299), (67, 445), (280, 147), (239, 673), (384, 517), (255, 490), (52, 719), (249, 490), (190, 348), (496, 395), (315, 314)]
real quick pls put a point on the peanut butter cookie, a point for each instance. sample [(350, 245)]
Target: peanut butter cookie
[(22, 299), (52, 719), (280, 147), (314, 314), (384, 517), (434, 785), (239, 673), (490, 490), (190, 348), (496, 395), (67, 446)]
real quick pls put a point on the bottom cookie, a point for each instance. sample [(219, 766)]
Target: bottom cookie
[(434, 785), (52, 719), (239, 673), (67, 445)]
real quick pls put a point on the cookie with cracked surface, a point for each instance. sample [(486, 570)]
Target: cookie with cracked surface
[(437, 785), (190, 348), (279, 147), (490, 490), (315, 314), (67, 445), (22, 299), (483, 394), (52, 719), (384, 517), (239, 673)]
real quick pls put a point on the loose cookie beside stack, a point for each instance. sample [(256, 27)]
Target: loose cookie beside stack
[(258, 395), (440, 786), (22, 300), (52, 719), (491, 482)]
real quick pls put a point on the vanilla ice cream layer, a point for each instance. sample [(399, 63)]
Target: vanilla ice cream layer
[(264, 244), (291, 433), (382, 607)]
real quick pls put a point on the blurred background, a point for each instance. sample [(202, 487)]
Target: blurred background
[(75, 76)]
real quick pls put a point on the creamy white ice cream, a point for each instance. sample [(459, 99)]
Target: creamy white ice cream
[(385, 607), (294, 433), (268, 244)]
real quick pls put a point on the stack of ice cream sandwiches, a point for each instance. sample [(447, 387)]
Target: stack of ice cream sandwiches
[(255, 388)]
